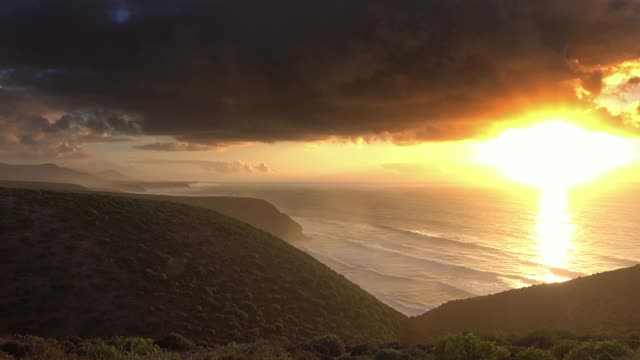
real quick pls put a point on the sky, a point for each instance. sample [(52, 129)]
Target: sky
[(289, 90)]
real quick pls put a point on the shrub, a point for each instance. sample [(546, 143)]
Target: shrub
[(231, 351), (329, 345), (15, 348), (601, 350), (362, 349), (100, 351), (541, 339), (468, 347), (269, 351), (135, 345), (390, 354), (175, 342), (534, 354), (563, 348)]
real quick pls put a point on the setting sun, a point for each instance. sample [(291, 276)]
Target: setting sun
[(554, 154)]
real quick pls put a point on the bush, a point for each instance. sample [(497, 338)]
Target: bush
[(534, 354), (135, 345), (563, 348), (15, 348), (468, 347), (390, 354), (541, 339), (419, 353), (175, 342), (601, 350), (231, 351), (100, 351), (362, 349), (329, 345)]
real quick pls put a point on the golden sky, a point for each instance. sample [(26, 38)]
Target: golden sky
[(329, 91)]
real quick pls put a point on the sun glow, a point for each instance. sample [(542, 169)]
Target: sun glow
[(555, 154)]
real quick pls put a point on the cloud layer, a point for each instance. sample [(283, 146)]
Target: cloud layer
[(223, 167), (215, 72)]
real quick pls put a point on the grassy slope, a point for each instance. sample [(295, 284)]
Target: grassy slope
[(255, 212), (99, 265), (606, 303)]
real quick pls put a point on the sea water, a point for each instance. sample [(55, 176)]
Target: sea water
[(416, 247)]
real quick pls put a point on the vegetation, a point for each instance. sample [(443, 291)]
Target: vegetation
[(459, 347), (606, 303), (100, 265), (255, 212)]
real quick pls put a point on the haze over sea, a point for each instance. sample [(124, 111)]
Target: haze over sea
[(415, 247)]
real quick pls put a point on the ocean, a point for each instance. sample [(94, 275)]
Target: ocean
[(416, 247)]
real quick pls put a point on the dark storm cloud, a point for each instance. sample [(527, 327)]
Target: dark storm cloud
[(209, 72), (29, 130)]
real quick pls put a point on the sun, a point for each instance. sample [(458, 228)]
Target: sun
[(554, 154)]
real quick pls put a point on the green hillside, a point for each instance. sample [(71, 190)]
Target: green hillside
[(100, 265), (606, 303), (255, 212)]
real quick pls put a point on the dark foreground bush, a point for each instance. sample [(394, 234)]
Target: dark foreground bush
[(561, 349), (601, 350), (469, 347), (175, 342), (534, 354), (329, 345), (390, 354), (363, 350)]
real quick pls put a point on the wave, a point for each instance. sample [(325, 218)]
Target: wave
[(619, 260), (391, 277), (434, 265), (433, 237)]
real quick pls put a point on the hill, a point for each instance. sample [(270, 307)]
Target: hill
[(113, 175), (99, 265), (46, 173), (52, 173), (38, 185), (255, 212), (605, 303)]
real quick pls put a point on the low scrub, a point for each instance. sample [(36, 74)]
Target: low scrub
[(464, 346)]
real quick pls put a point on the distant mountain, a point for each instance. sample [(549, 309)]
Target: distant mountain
[(113, 175), (99, 265), (47, 173), (38, 185), (52, 173), (606, 303)]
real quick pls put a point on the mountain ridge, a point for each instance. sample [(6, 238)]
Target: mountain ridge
[(256, 212), (102, 265), (605, 303)]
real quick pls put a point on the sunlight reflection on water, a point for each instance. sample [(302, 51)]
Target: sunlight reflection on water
[(554, 232)]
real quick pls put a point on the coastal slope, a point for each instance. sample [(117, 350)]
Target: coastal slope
[(255, 212), (607, 303), (99, 265)]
